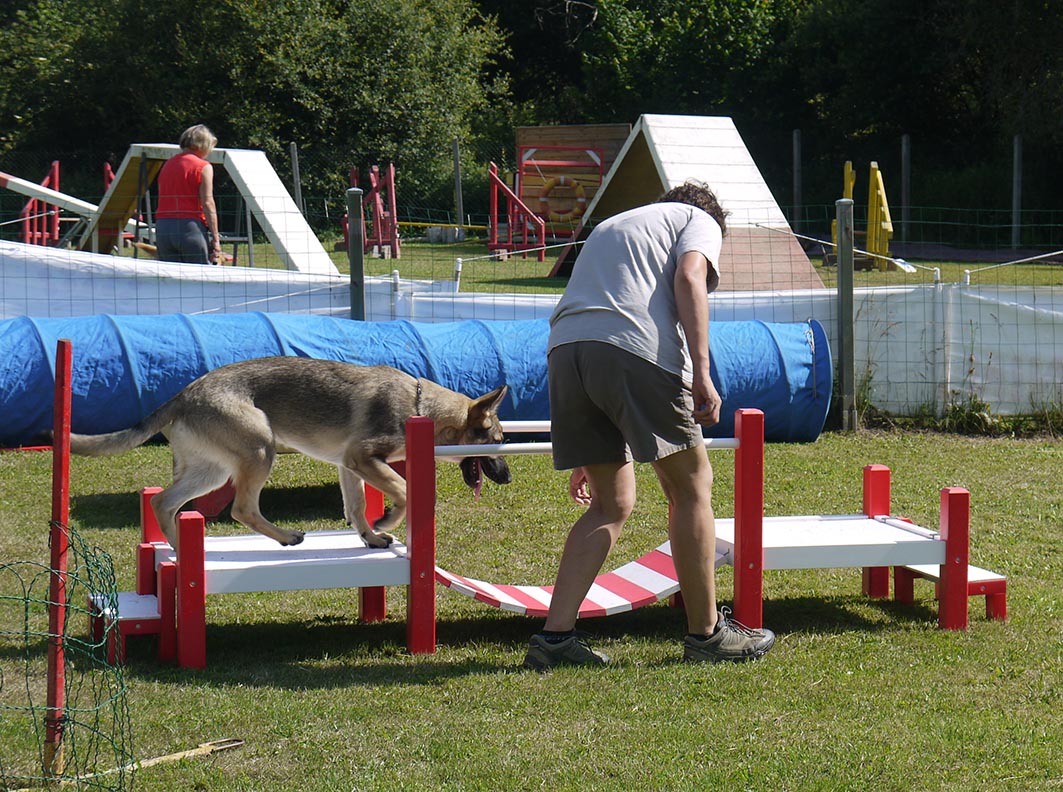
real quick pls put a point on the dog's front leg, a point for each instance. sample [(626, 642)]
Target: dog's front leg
[(378, 473), (353, 491)]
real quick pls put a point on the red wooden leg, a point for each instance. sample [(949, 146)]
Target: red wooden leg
[(145, 568), (954, 530), (903, 585), (421, 535), (191, 592), (876, 582), (372, 604), (167, 595), (149, 526), (749, 519)]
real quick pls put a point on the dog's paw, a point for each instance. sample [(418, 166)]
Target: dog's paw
[(294, 538), (378, 539)]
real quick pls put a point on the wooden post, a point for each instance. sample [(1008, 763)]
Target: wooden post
[(167, 597), (191, 591), (876, 580), (55, 714), (421, 535), (749, 518), (149, 525), (955, 531), (372, 600)]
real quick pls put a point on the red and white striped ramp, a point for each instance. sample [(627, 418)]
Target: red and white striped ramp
[(641, 582)]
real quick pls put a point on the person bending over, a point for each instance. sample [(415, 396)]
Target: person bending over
[(629, 381)]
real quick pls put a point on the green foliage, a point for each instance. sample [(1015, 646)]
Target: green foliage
[(674, 56), (391, 81)]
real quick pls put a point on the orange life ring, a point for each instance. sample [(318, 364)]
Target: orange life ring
[(564, 215)]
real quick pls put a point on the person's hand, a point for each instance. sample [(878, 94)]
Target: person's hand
[(707, 402), (578, 488), (215, 251)]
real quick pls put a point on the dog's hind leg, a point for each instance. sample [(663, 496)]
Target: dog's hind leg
[(248, 482), (188, 483)]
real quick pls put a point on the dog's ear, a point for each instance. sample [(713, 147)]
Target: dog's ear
[(489, 402)]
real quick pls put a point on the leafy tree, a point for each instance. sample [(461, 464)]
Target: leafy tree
[(392, 81), (960, 76), (677, 56)]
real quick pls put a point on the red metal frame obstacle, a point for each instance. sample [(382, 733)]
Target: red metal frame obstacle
[(380, 224), (523, 229), (40, 220)]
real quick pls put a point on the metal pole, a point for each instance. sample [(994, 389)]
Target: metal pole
[(906, 184), (795, 221), (1016, 191), (297, 184), (846, 361), (356, 252), (459, 201)]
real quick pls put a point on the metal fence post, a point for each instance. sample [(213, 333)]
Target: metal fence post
[(297, 182), (906, 185), (356, 252), (846, 360), (1016, 191), (795, 220)]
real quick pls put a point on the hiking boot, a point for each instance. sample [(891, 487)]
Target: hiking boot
[(543, 655), (731, 641)]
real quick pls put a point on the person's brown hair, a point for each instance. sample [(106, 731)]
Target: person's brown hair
[(698, 194)]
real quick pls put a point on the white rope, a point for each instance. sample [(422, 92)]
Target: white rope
[(525, 250), (1016, 261), (907, 266), (49, 213)]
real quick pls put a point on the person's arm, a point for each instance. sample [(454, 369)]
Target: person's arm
[(210, 210), (692, 304)]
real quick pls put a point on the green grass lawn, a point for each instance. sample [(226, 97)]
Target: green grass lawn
[(857, 695)]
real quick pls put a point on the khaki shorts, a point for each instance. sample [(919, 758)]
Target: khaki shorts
[(608, 405)]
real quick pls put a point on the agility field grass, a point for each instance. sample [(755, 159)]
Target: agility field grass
[(857, 695)]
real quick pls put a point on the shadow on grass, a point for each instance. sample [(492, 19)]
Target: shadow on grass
[(279, 504), (338, 652)]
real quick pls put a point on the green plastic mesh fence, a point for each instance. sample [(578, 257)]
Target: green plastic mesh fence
[(88, 746)]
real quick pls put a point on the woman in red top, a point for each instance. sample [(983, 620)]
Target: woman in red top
[(186, 223)]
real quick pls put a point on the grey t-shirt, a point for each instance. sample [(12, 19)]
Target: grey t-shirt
[(622, 287)]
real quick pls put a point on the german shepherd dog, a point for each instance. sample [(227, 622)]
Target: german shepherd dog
[(229, 423)]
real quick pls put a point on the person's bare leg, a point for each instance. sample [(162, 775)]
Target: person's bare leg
[(590, 540), (686, 478)]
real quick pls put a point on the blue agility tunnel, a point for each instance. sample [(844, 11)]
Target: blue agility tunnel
[(125, 367)]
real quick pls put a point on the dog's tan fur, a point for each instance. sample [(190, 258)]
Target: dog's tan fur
[(229, 423)]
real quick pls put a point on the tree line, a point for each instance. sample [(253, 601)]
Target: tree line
[(378, 81)]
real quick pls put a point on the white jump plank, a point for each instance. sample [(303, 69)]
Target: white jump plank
[(325, 559), (831, 541)]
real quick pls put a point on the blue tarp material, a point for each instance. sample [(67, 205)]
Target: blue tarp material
[(127, 366)]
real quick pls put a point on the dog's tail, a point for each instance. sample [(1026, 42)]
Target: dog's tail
[(124, 440)]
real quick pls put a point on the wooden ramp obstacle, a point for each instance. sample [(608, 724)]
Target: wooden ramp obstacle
[(271, 206), (172, 586), (663, 151)]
